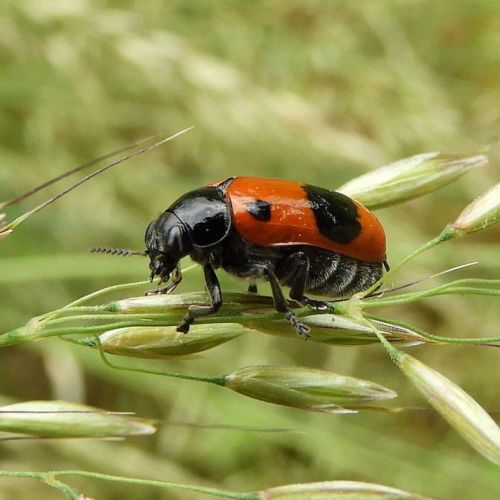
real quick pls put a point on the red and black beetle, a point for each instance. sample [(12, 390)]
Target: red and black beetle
[(288, 233)]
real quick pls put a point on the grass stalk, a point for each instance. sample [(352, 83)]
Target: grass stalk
[(49, 478)]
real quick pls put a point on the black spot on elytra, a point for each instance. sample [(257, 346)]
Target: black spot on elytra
[(260, 209), (335, 213)]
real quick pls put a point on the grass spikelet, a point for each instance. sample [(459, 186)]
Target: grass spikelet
[(409, 178), (305, 388), (62, 419), (354, 490), (336, 329), (459, 409), (166, 342), (483, 212), (4, 234)]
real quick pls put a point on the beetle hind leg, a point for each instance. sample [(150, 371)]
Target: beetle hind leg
[(282, 307), (300, 271)]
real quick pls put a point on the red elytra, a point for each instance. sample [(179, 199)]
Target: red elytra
[(293, 221)]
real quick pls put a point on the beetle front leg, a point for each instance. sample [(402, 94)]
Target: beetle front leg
[(214, 291), (282, 306), (165, 290), (299, 266)]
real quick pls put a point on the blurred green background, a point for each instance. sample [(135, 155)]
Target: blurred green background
[(319, 91)]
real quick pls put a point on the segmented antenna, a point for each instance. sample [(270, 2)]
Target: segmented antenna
[(117, 251)]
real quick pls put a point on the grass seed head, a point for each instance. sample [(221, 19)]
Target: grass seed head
[(305, 388), (337, 329), (462, 412), (166, 341), (409, 178), (161, 303), (61, 419), (4, 234), (335, 490), (483, 212)]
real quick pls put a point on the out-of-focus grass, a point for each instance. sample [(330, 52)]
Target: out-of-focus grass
[(314, 91)]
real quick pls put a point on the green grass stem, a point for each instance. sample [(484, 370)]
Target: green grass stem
[(49, 478)]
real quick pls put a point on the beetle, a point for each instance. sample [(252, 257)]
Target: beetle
[(288, 233)]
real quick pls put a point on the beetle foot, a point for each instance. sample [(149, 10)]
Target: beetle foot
[(184, 325), (301, 328), (319, 305), (164, 290), (158, 291)]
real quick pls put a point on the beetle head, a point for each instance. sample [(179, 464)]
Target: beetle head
[(198, 220), (166, 244)]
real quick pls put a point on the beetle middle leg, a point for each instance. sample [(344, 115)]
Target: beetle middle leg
[(214, 290), (299, 272), (281, 306)]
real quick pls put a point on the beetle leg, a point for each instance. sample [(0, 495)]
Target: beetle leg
[(176, 279), (252, 287), (282, 306), (300, 271), (194, 312), (159, 291)]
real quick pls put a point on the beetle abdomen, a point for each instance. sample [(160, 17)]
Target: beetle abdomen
[(345, 277), (335, 275)]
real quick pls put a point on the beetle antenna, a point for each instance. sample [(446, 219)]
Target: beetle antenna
[(117, 251), (142, 150), (89, 163)]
